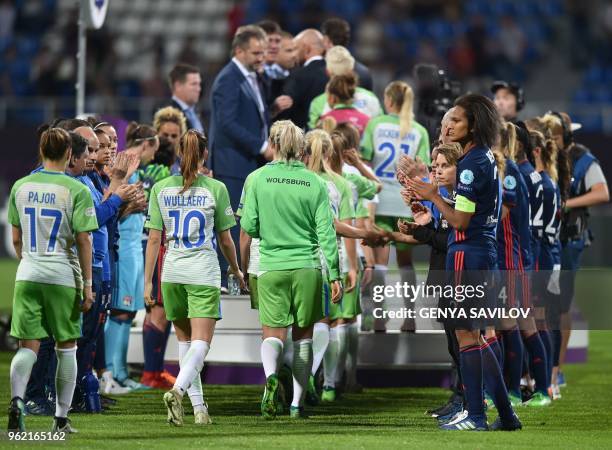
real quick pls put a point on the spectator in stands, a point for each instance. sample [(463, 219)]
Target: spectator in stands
[(307, 82), (272, 72), (7, 18), (239, 116), (338, 32), (186, 86), (189, 53)]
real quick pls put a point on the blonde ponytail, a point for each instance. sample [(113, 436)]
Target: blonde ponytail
[(287, 139), (402, 96), (318, 146)]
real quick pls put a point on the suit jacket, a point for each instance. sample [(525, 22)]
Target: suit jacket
[(303, 85), (238, 129), (189, 124), (365, 78)]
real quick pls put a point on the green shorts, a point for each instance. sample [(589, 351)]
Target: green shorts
[(389, 223), (288, 297), (191, 301), (349, 306), (41, 310), (253, 291)]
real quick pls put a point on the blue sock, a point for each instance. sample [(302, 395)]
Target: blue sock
[(111, 336), (162, 354), (153, 339), (497, 350), (494, 382), (514, 355), (539, 365), (123, 341), (556, 334), (471, 373), (547, 341)]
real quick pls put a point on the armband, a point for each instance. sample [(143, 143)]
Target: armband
[(464, 204)]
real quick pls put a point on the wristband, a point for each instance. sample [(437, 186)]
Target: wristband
[(88, 283)]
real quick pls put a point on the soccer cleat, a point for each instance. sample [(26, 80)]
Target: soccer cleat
[(133, 385), (538, 399), (202, 418), (312, 397), (328, 394), (155, 381), (285, 379), (15, 415), (63, 425), (174, 402), (109, 386), (447, 408), (454, 416), (467, 423), (488, 402), (561, 380), (270, 398), (297, 412), (39, 406), (511, 424), (515, 400), (167, 377), (555, 392)]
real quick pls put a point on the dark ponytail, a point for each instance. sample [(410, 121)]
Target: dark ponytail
[(192, 149), (564, 173)]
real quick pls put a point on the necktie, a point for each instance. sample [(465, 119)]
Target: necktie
[(193, 119)]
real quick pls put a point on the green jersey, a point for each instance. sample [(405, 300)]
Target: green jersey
[(190, 219), (151, 175), (363, 101), (287, 208), (50, 208), (381, 144), (362, 189), (254, 248)]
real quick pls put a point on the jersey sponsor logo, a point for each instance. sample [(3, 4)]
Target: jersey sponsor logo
[(295, 181), (509, 182), (228, 211), (466, 176), (535, 177), (90, 212)]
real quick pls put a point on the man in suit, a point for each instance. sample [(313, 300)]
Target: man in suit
[(308, 81), (239, 116), (338, 32), (186, 86)]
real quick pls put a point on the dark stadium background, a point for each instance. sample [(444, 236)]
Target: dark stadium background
[(560, 51)]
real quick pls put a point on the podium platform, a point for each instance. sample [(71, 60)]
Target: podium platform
[(385, 359)]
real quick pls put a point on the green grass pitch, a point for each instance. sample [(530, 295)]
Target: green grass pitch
[(378, 418)]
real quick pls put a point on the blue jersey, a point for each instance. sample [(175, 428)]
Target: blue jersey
[(552, 210), (478, 182), (513, 233), (533, 180)]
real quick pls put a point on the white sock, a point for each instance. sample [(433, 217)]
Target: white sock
[(352, 353), (191, 366), (320, 340), (302, 364), (330, 360), (65, 379), (21, 368), (196, 395), (271, 350), (288, 349), (342, 331)]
